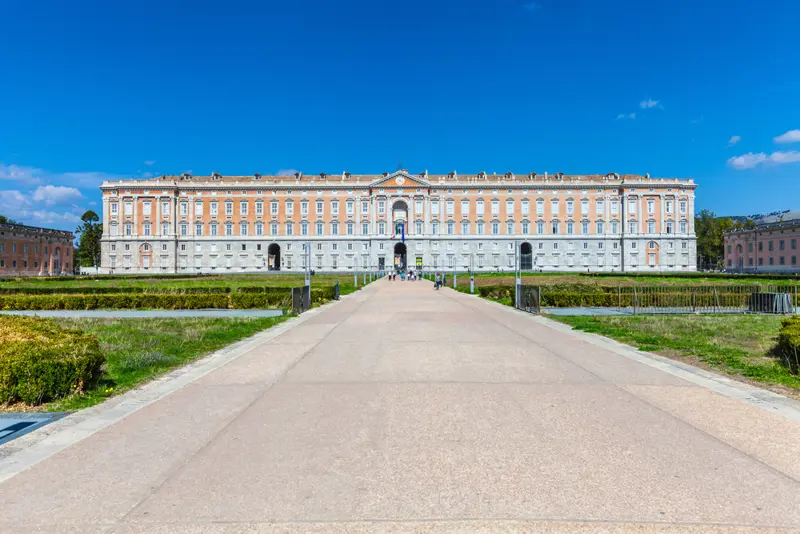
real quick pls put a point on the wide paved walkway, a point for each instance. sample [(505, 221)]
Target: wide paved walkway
[(404, 409)]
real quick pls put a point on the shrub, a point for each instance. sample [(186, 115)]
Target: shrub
[(40, 361), (789, 343)]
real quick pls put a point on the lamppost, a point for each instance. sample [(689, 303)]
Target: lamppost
[(471, 273), (307, 270)]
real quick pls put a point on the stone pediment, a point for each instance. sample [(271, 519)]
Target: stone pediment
[(400, 179)]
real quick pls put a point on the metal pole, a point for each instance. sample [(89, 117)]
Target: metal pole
[(355, 277), (471, 274), (308, 264), (365, 278)]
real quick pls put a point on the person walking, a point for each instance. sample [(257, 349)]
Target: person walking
[(438, 279)]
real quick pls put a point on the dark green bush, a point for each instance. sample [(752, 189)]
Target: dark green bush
[(78, 290), (40, 361), (789, 343)]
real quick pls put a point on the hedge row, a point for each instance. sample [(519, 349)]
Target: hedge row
[(789, 343), (696, 274), (107, 277), (269, 300), (40, 361), (596, 296), (78, 290)]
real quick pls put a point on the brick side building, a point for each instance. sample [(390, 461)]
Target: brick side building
[(33, 251), (767, 248), (218, 224)]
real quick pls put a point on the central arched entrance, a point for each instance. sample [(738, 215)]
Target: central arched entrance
[(274, 257), (400, 257), (526, 257)]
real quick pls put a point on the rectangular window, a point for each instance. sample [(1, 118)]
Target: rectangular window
[(364, 207), (164, 208), (495, 228), (554, 207), (632, 206), (243, 228), (320, 207), (464, 228), (273, 207), (335, 208), (289, 208), (510, 207), (585, 227), (198, 228), (350, 207), (228, 208), (585, 206), (668, 207), (290, 228), (464, 207), (781, 245), (381, 206), (614, 227), (128, 208), (600, 206), (365, 229), (450, 206), (451, 228), (651, 227), (669, 227), (320, 228), (243, 207), (570, 227), (435, 207), (510, 228), (771, 245), (683, 228), (213, 208), (632, 227), (540, 228), (525, 228), (198, 208), (479, 207), (526, 207), (555, 227), (334, 228), (418, 207), (614, 207), (273, 228), (683, 206), (114, 208), (304, 208), (146, 207), (540, 207), (570, 207), (259, 208), (651, 206)]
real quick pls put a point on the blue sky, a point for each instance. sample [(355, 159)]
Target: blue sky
[(686, 88)]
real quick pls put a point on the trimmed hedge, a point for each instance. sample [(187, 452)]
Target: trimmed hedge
[(40, 361), (267, 298), (574, 295), (693, 274), (78, 290), (789, 343), (177, 276)]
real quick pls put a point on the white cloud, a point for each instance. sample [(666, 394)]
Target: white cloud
[(287, 172), (150, 162), (20, 175), (649, 103), (622, 116), (55, 194), (19, 206), (750, 160), (792, 136), (734, 139)]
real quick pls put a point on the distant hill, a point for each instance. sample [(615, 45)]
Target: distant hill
[(765, 218)]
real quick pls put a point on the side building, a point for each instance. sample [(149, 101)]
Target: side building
[(33, 251), (487, 222), (767, 248)]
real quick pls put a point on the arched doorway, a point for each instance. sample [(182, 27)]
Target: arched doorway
[(526, 257), (400, 257), (274, 257)]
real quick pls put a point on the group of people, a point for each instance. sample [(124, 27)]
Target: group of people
[(404, 275)]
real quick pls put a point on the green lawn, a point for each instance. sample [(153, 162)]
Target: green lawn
[(739, 345), (138, 350)]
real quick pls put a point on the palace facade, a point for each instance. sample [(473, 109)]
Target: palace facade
[(767, 248), (345, 222), (33, 251)]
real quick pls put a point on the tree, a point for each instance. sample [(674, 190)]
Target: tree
[(710, 231), (89, 242), (6, 220)]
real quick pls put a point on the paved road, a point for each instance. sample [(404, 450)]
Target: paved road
[(406, 409)]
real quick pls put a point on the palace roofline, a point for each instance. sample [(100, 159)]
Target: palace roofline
[(35, 230), (420, 179)]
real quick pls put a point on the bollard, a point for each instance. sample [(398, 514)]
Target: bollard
[(355, 278), (472, 283), (365, 277)]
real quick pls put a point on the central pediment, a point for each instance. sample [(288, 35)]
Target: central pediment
[(400, 179)]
